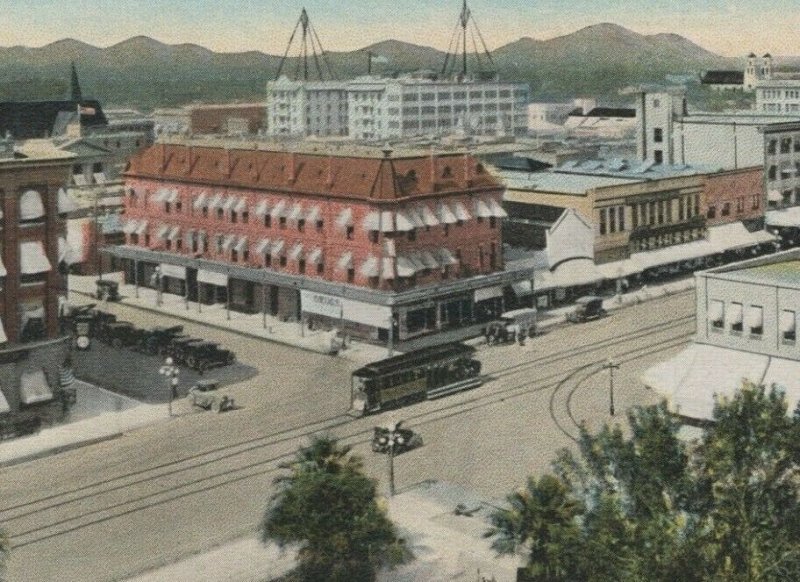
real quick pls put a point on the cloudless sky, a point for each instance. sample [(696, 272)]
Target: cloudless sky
[(723, 26)]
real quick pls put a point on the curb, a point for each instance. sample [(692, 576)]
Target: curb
[(60, 449), (209, 324)]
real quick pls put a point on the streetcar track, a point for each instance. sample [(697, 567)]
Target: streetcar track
[(450, 410)]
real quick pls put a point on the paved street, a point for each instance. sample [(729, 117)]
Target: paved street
[(201, 479)]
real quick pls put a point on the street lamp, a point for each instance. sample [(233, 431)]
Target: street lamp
[(156, 279), (610, 365), (170, 371), (391, 438)]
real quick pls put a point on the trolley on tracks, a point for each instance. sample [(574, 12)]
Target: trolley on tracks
[(427, 373)]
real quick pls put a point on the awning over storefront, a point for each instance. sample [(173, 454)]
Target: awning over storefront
[(692, 379), (674, 254), (30, 205), (576, 272), (619, 269), (370, 267), (174, 271), (276, 250), (65, 202), (427, 215), (65, 252), (488, 293), (482, 209), (3, 337), (345, 261), (522, 288), (445, 214), (345, 218), (4, 407), (212, 278), (33, 387), (346, 309), (141, 228), (735, 235), (786, 217), (32, 258)]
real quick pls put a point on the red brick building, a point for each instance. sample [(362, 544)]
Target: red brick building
[(345, 238), (735, 195), (235, 118), (34, 250)]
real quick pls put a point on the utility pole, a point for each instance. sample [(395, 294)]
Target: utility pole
[(610, 365)]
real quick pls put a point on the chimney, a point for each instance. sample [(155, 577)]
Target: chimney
[(329, 181), (163, 157), (290, 168), (433, 166), (467, 176)]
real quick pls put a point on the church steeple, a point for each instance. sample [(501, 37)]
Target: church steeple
[(75, 86)]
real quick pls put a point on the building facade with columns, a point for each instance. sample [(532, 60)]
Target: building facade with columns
[(385, 245)]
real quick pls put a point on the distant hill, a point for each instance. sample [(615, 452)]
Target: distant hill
[(146, 73)]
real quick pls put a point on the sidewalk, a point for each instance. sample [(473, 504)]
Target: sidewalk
[(446, 546)]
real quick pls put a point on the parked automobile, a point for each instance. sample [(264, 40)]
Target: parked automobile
[(586, 308), (205, 355), (156, 340), (108, 290), (120, 334), (178, 347), (512, 325), (405, 439), (203, 394)]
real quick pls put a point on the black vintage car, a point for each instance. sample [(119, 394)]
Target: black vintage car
[(205, 355), (178, 347), (404, 439), (157, 340), (586, 308), (120, 334), (108, 290)]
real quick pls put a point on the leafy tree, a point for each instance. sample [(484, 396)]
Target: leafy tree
[(5, 548), (653, 508), (328, 507)]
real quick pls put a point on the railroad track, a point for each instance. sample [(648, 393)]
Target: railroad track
[(55, 515)]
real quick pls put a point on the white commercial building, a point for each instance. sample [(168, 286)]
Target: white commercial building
[(746, 330), (372, 108), (778, 96)]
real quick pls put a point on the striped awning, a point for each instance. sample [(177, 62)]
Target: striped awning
[(445, 214), (279, 210), (241, 244), (200, 201), (428, 217), (296, 213), (370, 267), (296, 252), (315, 256), (277, 247)]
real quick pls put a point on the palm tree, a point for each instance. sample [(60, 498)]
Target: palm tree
[(328, 507), (540, 517)]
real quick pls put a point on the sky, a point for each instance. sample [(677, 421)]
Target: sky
[(731, 28)]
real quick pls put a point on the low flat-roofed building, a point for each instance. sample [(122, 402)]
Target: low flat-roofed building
[(746, 330)]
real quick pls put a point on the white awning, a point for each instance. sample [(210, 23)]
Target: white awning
[(174, 271), (674, 254), (387, 269), (445, 214), (228, 241), (171, 196), (212, 278), (755, 317), (619, 269), (200, 201), (65, 252), (3, 271), (387, 221), (130, 226), (428, 260), (279, 210), (33, 387), (735, 235), (786, 217), (296, 252), (4, 407), (142, 228), (496, 208), (296, 213), (345, 218), (774, 196), (445, 257), (100, 177), (3, 337), (345, 261), (30, 205), (428, 217), (263, 246), (482, 209), (174, 233), (576, 272), (277, 248), (315, 256), (461, 211), (215, 201), (488, 293), (241, 244), (241, 205), (716, 310), (32, 258), (522, 288), (162, 232), (416, 262), (734, 314), (405, 267), (370, 267), (788, 321), (65, 202), (415, 217), (79, 179), (262, 208), (372, 221), (314, 214), (229, 203), (404, 223)]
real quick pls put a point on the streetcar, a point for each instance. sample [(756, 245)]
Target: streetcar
[(422, 374)]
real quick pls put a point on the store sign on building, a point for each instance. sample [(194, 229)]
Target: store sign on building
[(346, 309)]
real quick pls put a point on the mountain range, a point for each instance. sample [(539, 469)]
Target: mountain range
[(145, 73)]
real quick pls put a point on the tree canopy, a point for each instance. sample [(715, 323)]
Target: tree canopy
[(643, 504), (328, 508)]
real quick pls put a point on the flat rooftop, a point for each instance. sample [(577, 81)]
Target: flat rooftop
[(784, 273), (560, 183)]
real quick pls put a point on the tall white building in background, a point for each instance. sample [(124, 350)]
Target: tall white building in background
[(372, 108)]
